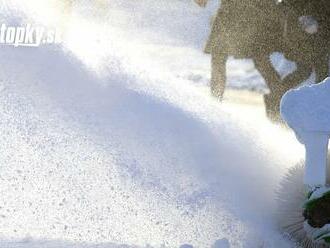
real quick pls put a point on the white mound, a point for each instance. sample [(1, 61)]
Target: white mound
[(308, 107)]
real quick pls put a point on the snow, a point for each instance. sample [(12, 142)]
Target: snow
[(114, 139), (28, 242), (308, 107), (306, 110), (318, 193), (222, 243)]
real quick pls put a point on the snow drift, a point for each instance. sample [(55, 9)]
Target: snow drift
[(102, 143), (308, 107)]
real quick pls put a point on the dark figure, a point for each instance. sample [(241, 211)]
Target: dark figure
[(243, 29), (306, 41), (307, 33), (255, 29)]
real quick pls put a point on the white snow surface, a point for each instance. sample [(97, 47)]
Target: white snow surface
[(308, 107), (112, 139)]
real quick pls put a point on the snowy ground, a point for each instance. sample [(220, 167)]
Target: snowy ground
[(114, 139)]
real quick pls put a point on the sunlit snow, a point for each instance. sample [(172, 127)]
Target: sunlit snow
[(113, 139)]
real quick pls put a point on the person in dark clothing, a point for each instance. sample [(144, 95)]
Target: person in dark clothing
[(257, 28)]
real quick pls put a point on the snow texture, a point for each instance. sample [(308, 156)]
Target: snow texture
[(110, 138), (308, 107)]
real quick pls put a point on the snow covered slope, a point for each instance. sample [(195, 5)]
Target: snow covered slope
[(104, 140)]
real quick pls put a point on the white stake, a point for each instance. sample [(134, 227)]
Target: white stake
[(316, 145)]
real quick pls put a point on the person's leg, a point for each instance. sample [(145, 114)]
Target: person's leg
[(322, 67), (218, 73), (273, 81), (301, 74), (272, 78), (213, 38), (218, 57)]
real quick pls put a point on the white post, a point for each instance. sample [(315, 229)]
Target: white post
[(307, 112), (316, 145)]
